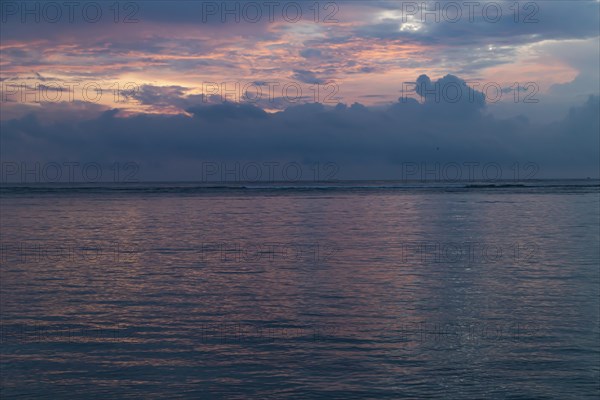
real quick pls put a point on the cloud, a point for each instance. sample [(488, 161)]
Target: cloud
[(159, 95), (228, 111), (311, 53), (365, 142), (171, 45), (307, 77), (449, 94)]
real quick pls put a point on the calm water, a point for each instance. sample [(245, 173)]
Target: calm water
[(372, 290)]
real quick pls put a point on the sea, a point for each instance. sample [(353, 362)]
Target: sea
[(305, 290)]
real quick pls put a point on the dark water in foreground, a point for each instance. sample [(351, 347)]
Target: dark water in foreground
[(370, 290)]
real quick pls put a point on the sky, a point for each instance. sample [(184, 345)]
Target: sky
[(371, 87)]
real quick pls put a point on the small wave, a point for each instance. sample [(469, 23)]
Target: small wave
[(492, 186), (189, 188)]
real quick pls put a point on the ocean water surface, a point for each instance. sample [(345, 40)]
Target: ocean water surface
[(322, 290)]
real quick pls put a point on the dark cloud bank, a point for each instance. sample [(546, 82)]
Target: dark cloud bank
[(364, 143)]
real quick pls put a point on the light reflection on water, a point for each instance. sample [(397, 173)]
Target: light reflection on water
[(349, 295)]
